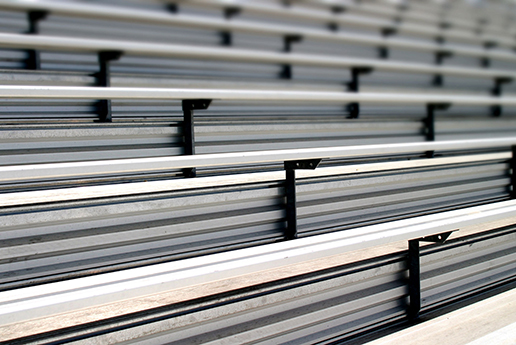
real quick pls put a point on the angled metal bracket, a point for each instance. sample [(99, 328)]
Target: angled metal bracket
[(104, 79), (33, 60), (496, 110), (429, 122), (354, 86), (438, 238), (414, 267), (290, 192), (189, 105), (288, 40)]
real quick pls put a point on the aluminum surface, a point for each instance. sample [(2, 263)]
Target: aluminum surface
[(38, 301), (34, 197), (234, 54)]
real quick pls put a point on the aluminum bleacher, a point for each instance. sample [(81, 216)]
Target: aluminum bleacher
[(245, 171)]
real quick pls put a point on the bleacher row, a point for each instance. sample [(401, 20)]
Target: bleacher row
[(153, 148)]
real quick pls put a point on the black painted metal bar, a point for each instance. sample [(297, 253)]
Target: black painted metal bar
[(290, 192), (429, 122), (414, 285), (337, 9), (414, 268), (333, 26), (291, 204), (439, 59), (172, 7), (485, 62), (104, 79), (188, 128), (33, 60), (226, 36), (513, 173), (354, 86), (288, 40), (383, 51), (496, 110)]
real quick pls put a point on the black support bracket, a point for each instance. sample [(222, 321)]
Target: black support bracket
[(429, 122), (290, 192), (513, 173), (226, 36), (104, 80), (496, 110), (189, 105), (33, 60), (288, 40), (354, 86), (414, 268), (480, 28), (383, 51), (439, 59), (445, 25), (333, 26), (172, 8), (485, 62)]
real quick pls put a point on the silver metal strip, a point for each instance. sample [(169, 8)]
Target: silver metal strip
[(66, 194), (234, 54), (84, 92), (54, 170)]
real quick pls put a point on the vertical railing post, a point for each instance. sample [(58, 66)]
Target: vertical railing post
[(291, 207), (485, 62), (288, 40), (104, 80), (414, 269), (414, 286), (189, 106), (290, 192), (354, 86), (336, 10), (226, 36), (430, 122), (496, 110), (383, 51), (439, 59), (513, 172), (33, 60)]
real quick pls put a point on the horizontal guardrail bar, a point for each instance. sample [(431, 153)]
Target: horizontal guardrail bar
[(18, 41), (142, 16), (122, 189), (86, 92), (44, 300), (61, 170)]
